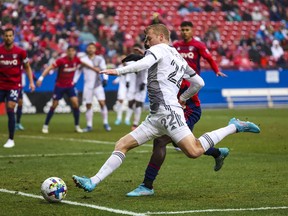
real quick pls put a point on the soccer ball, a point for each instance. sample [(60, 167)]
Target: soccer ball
[(54, 189)]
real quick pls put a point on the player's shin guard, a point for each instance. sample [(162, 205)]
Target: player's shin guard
[(49, 115), (11, 122), (104, 112), (113, 162), (150, 175), (89, 117), (137, 115), (76, 114), (129, 113), (18, 114), (119, 111), (210, 139)]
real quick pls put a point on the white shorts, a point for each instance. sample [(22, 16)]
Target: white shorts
[(170, 122), (88, 94)]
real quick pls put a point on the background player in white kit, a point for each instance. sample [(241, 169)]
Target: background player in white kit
[(121, 95), (136, 92), (94, 84), (166, 70)]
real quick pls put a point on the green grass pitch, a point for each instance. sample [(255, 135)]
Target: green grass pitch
[(254, 175)]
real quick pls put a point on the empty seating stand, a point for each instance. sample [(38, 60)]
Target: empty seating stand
[(269, 97)]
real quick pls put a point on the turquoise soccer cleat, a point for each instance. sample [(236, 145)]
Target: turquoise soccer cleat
[(219, 161), (84, 182), (117, 122), (19, 126), (141, 190), (244, 126)]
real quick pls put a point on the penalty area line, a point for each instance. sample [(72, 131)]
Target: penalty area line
[(102, 208), (219, 210), (63, 154)]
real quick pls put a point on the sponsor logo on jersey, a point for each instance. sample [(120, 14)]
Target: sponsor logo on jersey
[(187, 55), (9, 62), (191, 48), (1, 56), (70, 69)]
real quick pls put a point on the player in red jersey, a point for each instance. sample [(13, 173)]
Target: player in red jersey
[(12, 58), (192, 50), (64, 85)]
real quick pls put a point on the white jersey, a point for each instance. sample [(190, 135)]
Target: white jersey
[(166, 68), (91, 78)]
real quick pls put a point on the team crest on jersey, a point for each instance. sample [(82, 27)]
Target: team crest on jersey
[(66, 65), (14, 56), (191, 48), (1, 56)]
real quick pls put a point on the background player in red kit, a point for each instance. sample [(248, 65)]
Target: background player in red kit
[(12, 58), (64, 85), (192, 50)]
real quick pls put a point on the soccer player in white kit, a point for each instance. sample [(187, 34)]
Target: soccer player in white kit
[(94, 86), (136, 95), (121, 96), (166, 68)]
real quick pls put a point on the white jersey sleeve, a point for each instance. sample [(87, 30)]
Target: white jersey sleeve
[(196, 83), (100, 62)]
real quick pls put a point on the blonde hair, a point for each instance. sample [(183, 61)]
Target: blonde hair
[(159, 29)]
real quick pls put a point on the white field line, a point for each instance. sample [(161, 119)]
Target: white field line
[(63, 154), (102, 208), (80, 140), (219, 210), (124, 212)]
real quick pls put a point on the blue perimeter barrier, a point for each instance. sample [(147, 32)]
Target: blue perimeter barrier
[(210, 95)]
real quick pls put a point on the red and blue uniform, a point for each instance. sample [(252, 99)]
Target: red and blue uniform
[(192, 52), (192, 111), (64, 81), (11, 62)]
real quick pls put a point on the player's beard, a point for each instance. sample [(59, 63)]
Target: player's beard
[(8, 43)]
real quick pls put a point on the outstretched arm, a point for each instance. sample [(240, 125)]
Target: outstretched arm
[(44, 73), (142, 64)]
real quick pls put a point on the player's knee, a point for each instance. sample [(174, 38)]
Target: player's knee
[(122, 146), (55, 104), (193, 154)]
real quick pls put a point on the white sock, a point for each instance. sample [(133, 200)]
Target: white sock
[(104, 113), (113, 162), (137, 115), (89, 117), (119, 111), (129, 113), (210, 139)]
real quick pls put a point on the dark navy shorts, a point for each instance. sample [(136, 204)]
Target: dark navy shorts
[(194, 117), (9, 95), (59, 92), (21, 92)]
